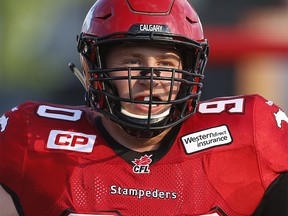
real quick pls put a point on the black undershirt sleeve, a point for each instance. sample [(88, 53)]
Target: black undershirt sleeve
[(275, 199)]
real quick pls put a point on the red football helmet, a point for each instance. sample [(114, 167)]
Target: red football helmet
[(167, 22)]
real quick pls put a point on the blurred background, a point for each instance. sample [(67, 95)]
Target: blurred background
[(248, 39)]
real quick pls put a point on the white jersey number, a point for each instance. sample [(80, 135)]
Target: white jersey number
[(231, 106), (59, 113)]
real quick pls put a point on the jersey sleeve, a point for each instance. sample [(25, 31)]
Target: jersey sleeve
[(13, 142), (271, 137)]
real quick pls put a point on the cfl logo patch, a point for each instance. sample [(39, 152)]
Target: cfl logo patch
[(142, 165)]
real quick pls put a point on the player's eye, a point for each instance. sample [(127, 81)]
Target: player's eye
[(168, 63), (165, 64), (133, 62)]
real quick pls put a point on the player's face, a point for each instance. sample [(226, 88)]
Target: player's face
[(145, 56)]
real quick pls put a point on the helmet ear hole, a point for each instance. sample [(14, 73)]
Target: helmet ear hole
[(85, 47)]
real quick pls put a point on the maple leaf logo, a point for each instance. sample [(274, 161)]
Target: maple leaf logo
[(143, 161), (280, 116), (3, 123)]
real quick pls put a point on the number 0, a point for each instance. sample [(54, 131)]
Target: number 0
[(59, 113)]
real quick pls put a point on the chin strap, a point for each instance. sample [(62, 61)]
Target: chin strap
[(78, 74)]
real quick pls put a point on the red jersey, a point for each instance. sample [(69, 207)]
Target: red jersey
[(60, 160)]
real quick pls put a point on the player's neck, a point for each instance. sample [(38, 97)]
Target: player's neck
[(131, 142)]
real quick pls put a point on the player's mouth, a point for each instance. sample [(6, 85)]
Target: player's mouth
[(144, 104), (147, 99), (141, 109)]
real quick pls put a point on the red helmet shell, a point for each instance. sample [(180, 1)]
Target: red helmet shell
[(107, 17)]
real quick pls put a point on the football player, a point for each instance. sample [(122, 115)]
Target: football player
[(144, 144)]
